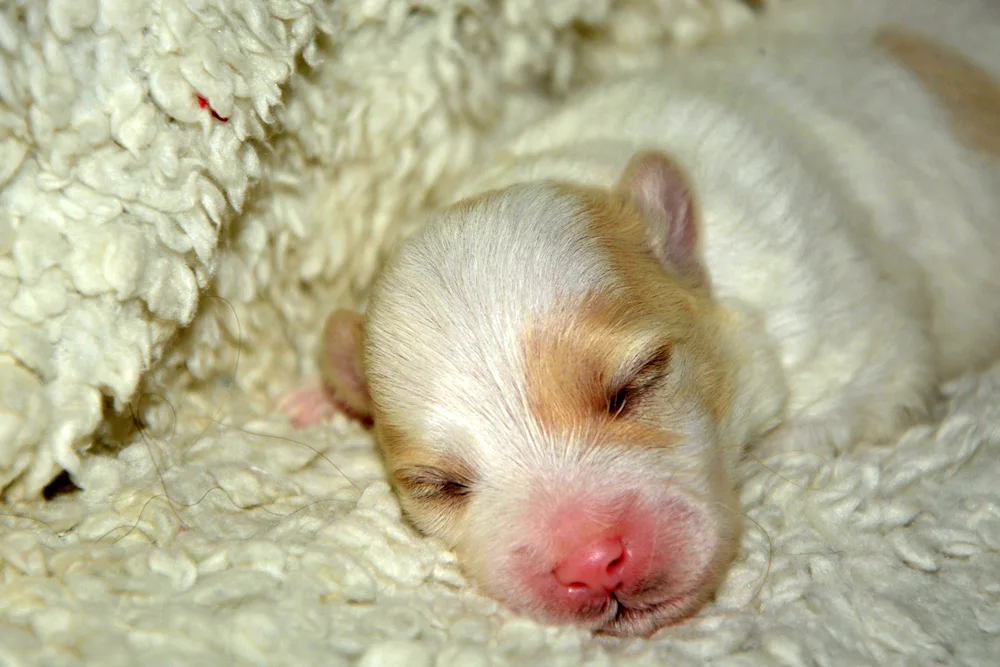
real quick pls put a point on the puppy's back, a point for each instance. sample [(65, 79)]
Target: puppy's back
[(883, 107)]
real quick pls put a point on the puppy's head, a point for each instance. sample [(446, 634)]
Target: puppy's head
[(547, 380)]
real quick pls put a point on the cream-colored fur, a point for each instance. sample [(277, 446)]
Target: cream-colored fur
[(821, 170), (847, 233)]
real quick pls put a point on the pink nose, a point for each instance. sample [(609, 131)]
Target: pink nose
[(597, 567)]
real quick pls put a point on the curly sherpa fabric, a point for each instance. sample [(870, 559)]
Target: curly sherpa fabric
[(116, 184), (188, 187), (248, 543), (132, 132)]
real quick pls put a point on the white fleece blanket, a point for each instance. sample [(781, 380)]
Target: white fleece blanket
[(249, 543), (188, 187)]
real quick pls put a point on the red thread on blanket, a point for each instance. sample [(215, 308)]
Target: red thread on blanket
[(203, 104)]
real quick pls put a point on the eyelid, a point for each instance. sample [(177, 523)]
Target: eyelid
[(427, 481), (654, 360), (654, 365)]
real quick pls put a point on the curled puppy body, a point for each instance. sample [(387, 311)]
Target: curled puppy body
[(778, 243)]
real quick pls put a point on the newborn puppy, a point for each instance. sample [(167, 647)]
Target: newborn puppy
[(784, 242)]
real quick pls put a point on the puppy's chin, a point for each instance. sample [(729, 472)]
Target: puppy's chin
[(645, 620), (617, 618)]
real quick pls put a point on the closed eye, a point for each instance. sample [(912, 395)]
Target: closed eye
[(637, 382), (428, 482)]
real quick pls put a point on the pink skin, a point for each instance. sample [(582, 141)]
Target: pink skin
[(341, 386), (308, 405), (590, 560), (596, 569), (313, 403), (608, 564)]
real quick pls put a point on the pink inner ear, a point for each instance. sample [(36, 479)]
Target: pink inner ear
[(341, 360), (660, 189)]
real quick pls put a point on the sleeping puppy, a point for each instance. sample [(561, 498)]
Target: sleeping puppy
[(785, 243)]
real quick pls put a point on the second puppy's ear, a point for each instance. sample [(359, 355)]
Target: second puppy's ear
[(658, 187), (340, 363)]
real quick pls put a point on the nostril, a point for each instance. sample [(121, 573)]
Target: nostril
[(597, 567), (614, 568)]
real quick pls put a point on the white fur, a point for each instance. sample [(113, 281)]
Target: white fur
[(844, 226), (818, 167)]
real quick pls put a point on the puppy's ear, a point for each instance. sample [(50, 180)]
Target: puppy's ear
[(660, 190), (341, 364)]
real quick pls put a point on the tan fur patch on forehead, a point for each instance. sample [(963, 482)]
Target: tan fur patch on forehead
[(969, 93), (570, 362), (685, 313), (573, 358)]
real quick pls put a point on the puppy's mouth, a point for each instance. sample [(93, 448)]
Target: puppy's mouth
[(642, 620)]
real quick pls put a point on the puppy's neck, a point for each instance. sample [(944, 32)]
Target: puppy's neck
[(759, 390)]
